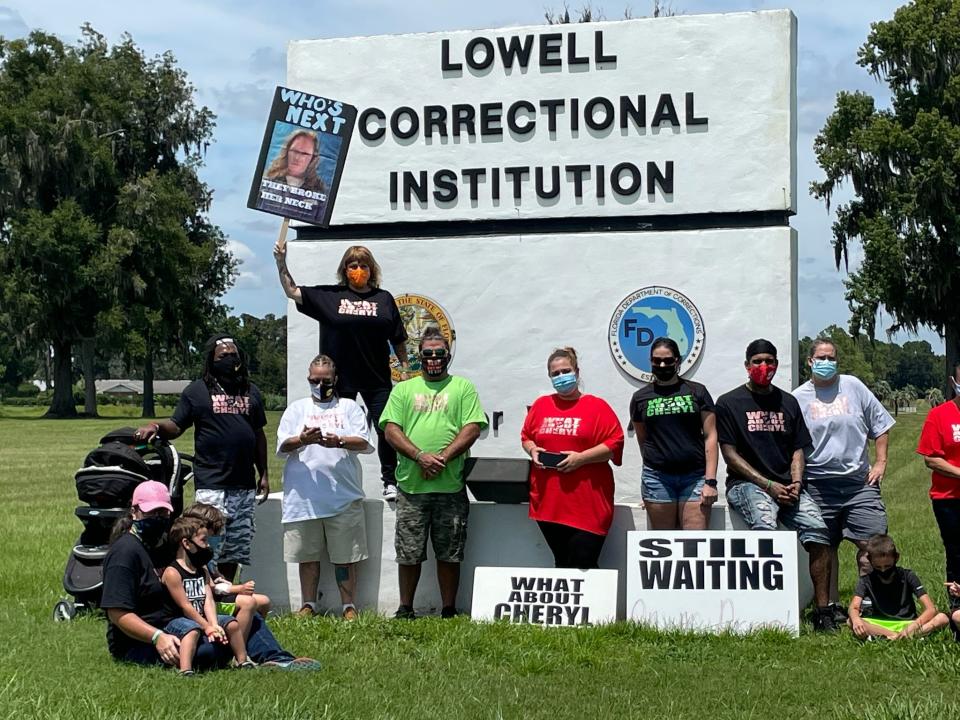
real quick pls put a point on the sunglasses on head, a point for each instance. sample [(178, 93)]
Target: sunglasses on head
[(431, 353)]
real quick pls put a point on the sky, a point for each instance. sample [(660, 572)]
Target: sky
[(235, 54)]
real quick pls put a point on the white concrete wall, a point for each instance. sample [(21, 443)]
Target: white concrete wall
[(514, 298), (498, 536), (741, 68)]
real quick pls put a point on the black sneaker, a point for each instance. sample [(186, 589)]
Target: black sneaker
[(823, 620), (448, 612), (404, 612), (839, 613)]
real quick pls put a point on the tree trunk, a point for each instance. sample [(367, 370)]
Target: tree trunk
[(87, 350), (149, 410), (61, 405), (952, 353)]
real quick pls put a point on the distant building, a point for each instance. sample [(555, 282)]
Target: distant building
[(131, 388)]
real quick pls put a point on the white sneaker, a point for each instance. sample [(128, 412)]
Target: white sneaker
[(390, 493)]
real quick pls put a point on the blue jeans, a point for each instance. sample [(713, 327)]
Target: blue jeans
[(376, 400), (761, 512), (181, 626), (262, 647), (657, 486)]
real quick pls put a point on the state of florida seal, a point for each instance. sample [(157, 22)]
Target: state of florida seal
[(419, 312)]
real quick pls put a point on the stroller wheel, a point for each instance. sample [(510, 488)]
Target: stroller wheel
[(64, 611)]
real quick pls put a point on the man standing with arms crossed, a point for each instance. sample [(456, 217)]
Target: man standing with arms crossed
[(432, 421)]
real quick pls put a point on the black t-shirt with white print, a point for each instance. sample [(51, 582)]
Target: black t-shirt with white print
[(765, 428), (356, 331), (224, 436), (893, 600), (194, 587), (671, 416)]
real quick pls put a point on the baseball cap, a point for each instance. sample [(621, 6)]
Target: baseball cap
[(151, 495)]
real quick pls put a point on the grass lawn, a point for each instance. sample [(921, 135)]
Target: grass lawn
[(447, 669)]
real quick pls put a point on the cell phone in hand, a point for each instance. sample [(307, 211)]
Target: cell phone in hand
[(551, 459)]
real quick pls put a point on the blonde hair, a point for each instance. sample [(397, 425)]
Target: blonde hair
[(278, 168), (565, 352), (358, 253)]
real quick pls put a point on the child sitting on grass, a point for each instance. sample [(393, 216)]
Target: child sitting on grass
[(883, 604), (240, 599), (188, 584)]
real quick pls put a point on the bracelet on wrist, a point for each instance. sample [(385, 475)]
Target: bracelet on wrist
[(156, 636), (769, 484), (416, 458)]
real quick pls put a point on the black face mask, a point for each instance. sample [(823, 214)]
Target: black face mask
[(663, 374), (151, 530), (227, 366), (439, 366), (200, 557), (886, 575)]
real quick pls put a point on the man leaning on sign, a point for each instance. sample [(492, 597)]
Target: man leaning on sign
[(432, 421), (762, 437)]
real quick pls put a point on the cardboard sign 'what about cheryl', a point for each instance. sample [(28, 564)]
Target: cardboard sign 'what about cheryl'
[(302, 156), (545, 596), (733, 580), (651, 116)]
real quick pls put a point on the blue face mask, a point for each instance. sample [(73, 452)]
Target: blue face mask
[(564, 383), (824, 369)]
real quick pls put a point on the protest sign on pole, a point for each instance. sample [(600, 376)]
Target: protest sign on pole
[(302, 156)]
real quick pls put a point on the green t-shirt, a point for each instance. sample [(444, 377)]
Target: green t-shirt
[(432, 414)]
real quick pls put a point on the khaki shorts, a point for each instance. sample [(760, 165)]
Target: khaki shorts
[(342, 538)]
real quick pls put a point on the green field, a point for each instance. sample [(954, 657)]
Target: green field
[(447, 669)]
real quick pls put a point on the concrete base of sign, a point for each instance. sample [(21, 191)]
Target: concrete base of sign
[(499, 536)]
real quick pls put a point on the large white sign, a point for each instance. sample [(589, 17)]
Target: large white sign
[(545, 596), (714, 581), (665, 116), (514, 298)]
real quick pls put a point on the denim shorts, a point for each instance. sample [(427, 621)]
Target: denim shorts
[(854, 511), (657, 486), (761, 512), (182, 626)]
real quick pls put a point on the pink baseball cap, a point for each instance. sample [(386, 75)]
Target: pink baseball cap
[(151, 495)]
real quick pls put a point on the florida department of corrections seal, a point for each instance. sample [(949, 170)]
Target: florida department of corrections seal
[(419, 312), (649, 313)]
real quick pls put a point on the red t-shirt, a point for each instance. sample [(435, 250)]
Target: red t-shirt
[(583, 498), (940, 438)]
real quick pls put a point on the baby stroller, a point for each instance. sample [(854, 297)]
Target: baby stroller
[(106, 483)]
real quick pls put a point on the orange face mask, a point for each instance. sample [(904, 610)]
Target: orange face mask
[(358, 276)]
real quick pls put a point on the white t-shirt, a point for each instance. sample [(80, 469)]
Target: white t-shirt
[(841, 418), (318, 481)]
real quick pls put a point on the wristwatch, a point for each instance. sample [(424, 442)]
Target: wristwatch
[(710, 482)]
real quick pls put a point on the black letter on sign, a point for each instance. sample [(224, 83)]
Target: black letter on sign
[(435, 117), (655, 178), (472, 175), (554, 182), (551, 107), (445, 182), (445, 63), (512, 117), (414, 122), (598, 48), (665, 112), (578, 172), (655, 548), (607, 113), (412, 187), (393, 187), (365, 117), (490, 114), (550, 50), (472, 46), (516, 174), (515, 51), (463, 118), (692, 118), (635, 178), (572, 58), (629, 111)]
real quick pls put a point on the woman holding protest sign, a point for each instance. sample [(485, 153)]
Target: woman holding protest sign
[(359, 321), (677, 432), (571, 438)]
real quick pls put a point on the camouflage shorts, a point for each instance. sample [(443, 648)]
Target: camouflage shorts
[(442, 516), (239, 513)]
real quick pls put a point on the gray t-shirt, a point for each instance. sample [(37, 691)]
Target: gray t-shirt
[(841, 418)]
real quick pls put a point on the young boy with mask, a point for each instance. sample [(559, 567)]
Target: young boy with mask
[(237, 599), (884, 604), (190, 588)]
